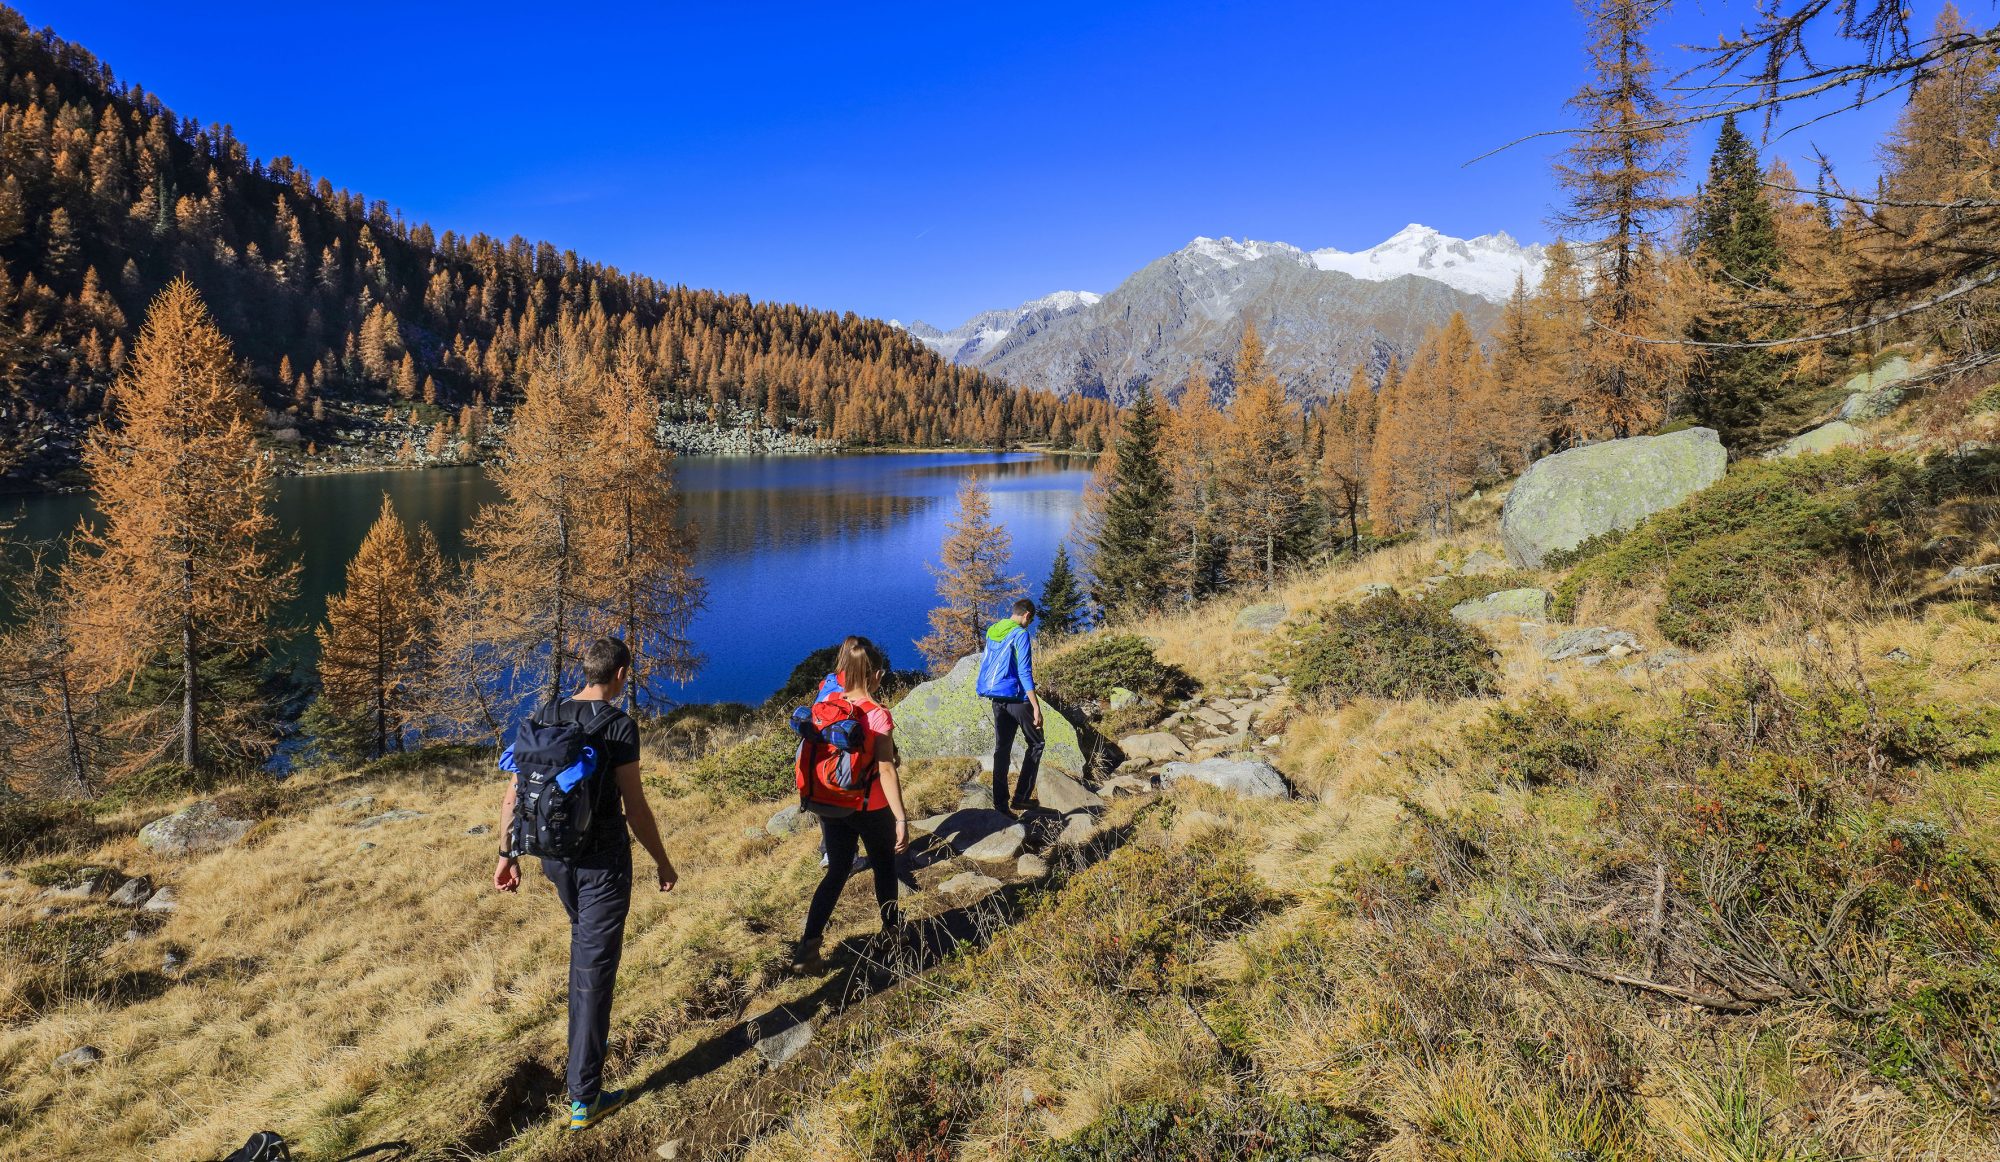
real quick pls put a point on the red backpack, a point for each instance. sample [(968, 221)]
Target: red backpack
[(835, 765)]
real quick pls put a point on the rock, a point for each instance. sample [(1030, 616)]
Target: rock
[(1251, 778), (479, 829), (1520, 604), (81, 1057), (975, 797), (197, 827), (782, 1044), (133, 892), (1900, 656), (85, 883), (1080, 829), (1825, 438), (929, 824), (1155, 747), (396, 815), (1268, 681), (1031, 867), (790, 821), (1263, 617), (1654, 664), (358, 803), (1372, 589), (1128, 785), (969, 884), (1579, 642), (945, 718), (1479, 564), (995, 847), (1874, 394), (172, 963), (1121, 698), (1221, 744), (669, 1149), (1063, 795), (163, 900), (1274, 742), (364, 847), (1565, 499), (1964, 573), (1212, 716)]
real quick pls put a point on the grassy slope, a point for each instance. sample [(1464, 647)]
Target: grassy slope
[(356, 997)]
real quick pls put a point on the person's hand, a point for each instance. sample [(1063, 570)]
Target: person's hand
[(902, 836), (668, 877), (507, 875), (1038, 716)]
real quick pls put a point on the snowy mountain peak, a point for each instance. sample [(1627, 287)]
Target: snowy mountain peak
[(982, 332), (1227, 252), (1062, 301), (1486, 266)]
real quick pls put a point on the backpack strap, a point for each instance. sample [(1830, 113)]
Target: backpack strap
[(598, 721)]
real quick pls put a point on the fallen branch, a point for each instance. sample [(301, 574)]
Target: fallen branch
[(1711, 1001)]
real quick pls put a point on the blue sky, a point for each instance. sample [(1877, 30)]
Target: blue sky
[(907, 160)]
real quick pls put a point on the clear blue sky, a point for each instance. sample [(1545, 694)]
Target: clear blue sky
[(907, 160)]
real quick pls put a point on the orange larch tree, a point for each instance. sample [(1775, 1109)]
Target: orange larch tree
[(972, 579)]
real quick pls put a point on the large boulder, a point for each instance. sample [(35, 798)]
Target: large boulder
[(1825, 438), (1874, 394), (197, 827), (946, 718), (1251, 778), (1564, 500), (1157, 747), (1520, 604)]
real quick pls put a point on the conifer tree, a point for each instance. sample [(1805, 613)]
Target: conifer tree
[(1734, 243), (179, 576), (972, 581), (378, 635), (1350, 451), (1062, 604), (1192, 442), (50, 723), (1131, 559), (1263, 482)]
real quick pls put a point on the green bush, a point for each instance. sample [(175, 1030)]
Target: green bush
[(905, 1106), (1388, 647), (758, 768), (1211, 1128), (1452, 590), (1085, 676), (1722, 555), (1542, 739)]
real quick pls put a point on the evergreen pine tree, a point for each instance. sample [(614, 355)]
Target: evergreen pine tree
[(1062, 605), (1734, 243), (1131, 560)]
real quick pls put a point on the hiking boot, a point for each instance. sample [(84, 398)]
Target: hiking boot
[(1019, 807), (582, 1117), (808, 959)]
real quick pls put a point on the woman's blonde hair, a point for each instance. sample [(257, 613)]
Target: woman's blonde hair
[(860, 666)]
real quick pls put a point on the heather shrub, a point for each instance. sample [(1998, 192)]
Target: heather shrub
[(1388, 647)]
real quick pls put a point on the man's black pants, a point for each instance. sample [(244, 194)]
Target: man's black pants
[(596, 894), (1010, 715)]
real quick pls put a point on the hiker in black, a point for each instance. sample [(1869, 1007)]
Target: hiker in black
[(595, 886)]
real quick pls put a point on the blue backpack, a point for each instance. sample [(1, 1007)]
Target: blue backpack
[(554, 765)]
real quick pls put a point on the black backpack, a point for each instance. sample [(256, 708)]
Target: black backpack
[(263, 1146), (557, 778)]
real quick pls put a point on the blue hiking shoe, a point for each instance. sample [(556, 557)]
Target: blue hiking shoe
[(582, 1117)]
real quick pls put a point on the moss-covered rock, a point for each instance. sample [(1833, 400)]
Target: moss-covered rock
[(1565, 499), (946, 718)]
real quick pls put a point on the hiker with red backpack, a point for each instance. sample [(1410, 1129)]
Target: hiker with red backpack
[(847, 778)]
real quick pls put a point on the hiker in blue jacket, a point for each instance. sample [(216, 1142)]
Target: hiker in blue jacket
[(1007, 678)]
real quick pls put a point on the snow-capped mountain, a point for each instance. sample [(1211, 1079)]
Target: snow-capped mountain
[(971, 340), (1320, 314)]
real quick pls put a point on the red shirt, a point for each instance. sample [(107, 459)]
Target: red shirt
[(880, 725)]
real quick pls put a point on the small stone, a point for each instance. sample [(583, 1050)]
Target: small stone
[(1080, 829), (1900, 656), (998, 847), (1155, 747), (161, 901), (1274, 742), (1132, 767), (81, 1057), (1370, 590), (358, 803), (975, 797), (397, 815), (84, 884), (364, 847), (1518, 604), (669, 1149), (783, 1045), (1121, 698), (1031, 867), (929, 824), (1212, 716), (790, 821), (171, 963), (969, 883), (133, 892), (1058, 792), (1594, 640), (479, 829), (1263, 617), (1479, 564)]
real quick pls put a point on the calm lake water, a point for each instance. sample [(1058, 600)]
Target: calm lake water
[(785, 542)]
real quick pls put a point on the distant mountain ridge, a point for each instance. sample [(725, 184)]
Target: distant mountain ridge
[(1320, 313)]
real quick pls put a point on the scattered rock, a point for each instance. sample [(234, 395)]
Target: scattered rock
[(669, 1149), (172, 963), (1372, 589), (1655, 663), (1121, 698), (1212, 716), (946, 718), (85, 883), (81, 1057), (969, 884), (929, 824), (1059, 793), (1479, 564), (1565, 499), (1963, 573), (1874, 394), (133, 892), (397, 815), (161, 901), (197, 827), (1127, 785), (1031, 866), (358, 803), (1155, 747), (790, 821), (1825, 438), (1900, 656), (1520, 604), (975, 797), (364, 847), (1221, 744), (1268, 681), (996, 846), (1262, 617), (1251, 778), (479, 829), (1080, 829), (1580, 642), (783, 1044)]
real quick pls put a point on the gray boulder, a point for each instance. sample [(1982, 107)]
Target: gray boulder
[(1479, 564), (1825, 438), (1062, 794), (946, 718), (133, 892), (85, 883), (969, 884), (1523, 604), (1002, 846), (1080, 829), (197, 827), (1874, 394), (163, 900), (1565, 499), (791, 821), (778, 1038), (1596, 640), (1262, 617), (1157, 746), (1251, 778)]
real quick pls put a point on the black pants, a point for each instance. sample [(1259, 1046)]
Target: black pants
[(596, 898), (1010, 715), (874, 830)]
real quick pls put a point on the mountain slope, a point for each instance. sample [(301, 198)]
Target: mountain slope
[(343, 309), (971, 340)]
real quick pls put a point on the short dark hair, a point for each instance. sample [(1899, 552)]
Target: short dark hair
[(603, 658), (1024, 608)]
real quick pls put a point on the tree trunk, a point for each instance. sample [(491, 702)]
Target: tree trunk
[(189, 749), (72, 746), (561, 602)]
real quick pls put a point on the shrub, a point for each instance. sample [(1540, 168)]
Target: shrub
[(1724, 553), (758, 768), (1388, 647), (1542, 739), (1211, 1128), (1085, 676), (906, 1106), (688, 731), (1452, 590)]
